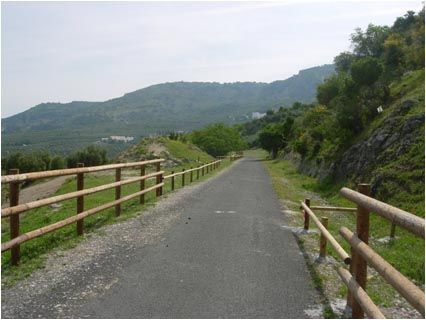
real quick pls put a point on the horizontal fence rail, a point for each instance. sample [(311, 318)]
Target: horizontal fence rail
[(372, 311), (15, 209), (405, 287), (41, 231), (44, 202), (66, 172), (324, 208), (404, 219), (362, 254), (191, 170), (337, 247)]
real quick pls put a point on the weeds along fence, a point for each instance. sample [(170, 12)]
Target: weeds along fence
[(14, 179), (362, 254)]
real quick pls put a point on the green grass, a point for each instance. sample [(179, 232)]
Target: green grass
[(406, 253), (187, 152), (33, 251)]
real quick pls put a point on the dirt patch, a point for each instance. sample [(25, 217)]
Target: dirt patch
[(40, 190), (156, 148)]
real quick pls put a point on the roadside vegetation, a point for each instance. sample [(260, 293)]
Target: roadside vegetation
[(405, 252), (42, 160), (368, 122)]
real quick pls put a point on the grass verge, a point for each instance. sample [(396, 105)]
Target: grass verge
[(405, 253)]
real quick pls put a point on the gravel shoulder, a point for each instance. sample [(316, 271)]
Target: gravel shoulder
[(87, 270)]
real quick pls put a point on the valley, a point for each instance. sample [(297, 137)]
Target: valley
[(159, 109)]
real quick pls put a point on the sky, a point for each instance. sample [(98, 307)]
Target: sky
[(95, 51)]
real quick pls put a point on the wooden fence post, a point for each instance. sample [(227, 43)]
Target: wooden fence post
[(183, 177), (202, 170), (392, 232), (158, 179), (207, 169), (359, 268), (306, 223), (80, 200), (173, 181), (190, 176), (198, 173), (161, 180), (323, 240), (142, 185), (14, 219), (118, 192)]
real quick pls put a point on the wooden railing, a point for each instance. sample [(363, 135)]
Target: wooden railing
[(232, 157), (361, 254), (15, 209)]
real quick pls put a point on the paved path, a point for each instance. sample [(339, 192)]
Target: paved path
[(225, 256)]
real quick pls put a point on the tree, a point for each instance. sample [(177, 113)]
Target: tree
[(45, 157), (370, 42), (29, 162), (57, 163), (366, 71), (90, 156), (218, 139), (327, 90), (271, 138), (348, 115), (343, 61), (393, 51)]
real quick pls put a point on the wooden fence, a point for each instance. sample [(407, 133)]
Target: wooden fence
[(362, 254), (15, 209), (232, 157)]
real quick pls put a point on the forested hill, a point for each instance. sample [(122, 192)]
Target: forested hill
[(175, 106)]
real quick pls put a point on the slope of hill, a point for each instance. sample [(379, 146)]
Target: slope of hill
[(175, 152), (369, 122), (388, 153), (185, 106)]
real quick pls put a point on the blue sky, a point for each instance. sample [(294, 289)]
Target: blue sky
[(65, 51)]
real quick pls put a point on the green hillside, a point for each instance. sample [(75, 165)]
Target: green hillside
[(175, 152), (178, 106), (368, 123)]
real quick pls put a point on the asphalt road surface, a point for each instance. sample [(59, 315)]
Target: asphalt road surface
[(225, 256)]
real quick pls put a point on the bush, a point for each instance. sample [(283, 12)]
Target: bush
[(57, 163), (27, 162), (366, 71), (218, 140), (90, 156), (328, 90)]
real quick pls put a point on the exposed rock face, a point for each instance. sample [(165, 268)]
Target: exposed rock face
[(389, 141), (386, 143)]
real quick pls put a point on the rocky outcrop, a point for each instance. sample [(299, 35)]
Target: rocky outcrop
[(389, 141)]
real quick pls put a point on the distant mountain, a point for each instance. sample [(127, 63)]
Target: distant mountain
[(176, 106)]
